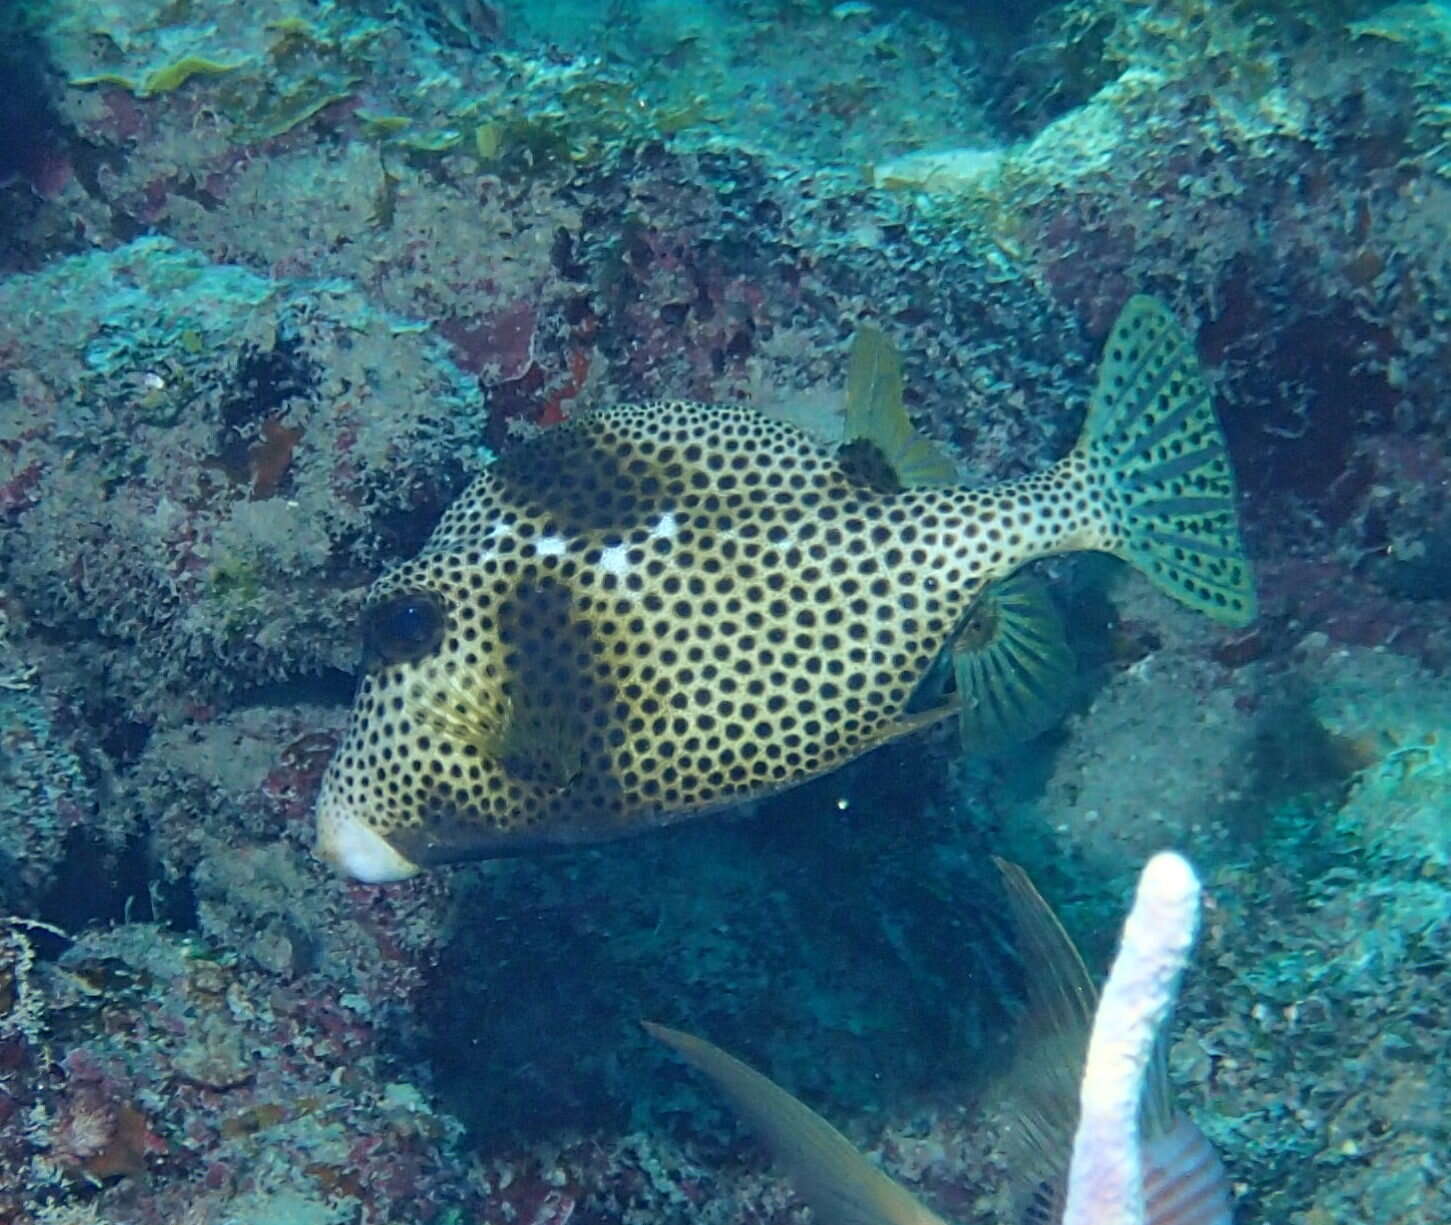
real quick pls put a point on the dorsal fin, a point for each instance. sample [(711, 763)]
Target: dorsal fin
[(876, 413), (864, 462)]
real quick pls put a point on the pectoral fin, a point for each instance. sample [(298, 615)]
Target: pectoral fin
[(1015, 671)]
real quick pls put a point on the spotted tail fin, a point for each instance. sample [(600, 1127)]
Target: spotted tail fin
[(1152, 426)]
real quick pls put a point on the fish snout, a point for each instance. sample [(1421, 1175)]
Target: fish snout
[(353, 847)]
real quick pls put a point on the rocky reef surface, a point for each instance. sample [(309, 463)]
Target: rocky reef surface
[(279, 277)]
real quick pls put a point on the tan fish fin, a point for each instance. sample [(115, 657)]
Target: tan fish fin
[(529, 719), (536, 740), (541, 743), (1062, 999), (1015, 672), (830, 1174), (1049, 1064), (467, 713), (877, 414), (906, 725), (1151, 424)]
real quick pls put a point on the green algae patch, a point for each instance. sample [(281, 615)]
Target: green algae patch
[(297, 108), (174, 76), (587, 122), (382, 125), (434, 142), (287, 110), (264, 73), (163, 80)]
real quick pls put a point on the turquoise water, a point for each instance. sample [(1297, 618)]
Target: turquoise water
[(278, 280)]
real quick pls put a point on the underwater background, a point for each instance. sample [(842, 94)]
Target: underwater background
[(276, 279)]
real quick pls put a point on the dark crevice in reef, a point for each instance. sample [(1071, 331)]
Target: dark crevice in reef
[(29, 128), (329, 687), (100, 884)]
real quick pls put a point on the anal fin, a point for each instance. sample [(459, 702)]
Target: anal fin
[(840, 1184)]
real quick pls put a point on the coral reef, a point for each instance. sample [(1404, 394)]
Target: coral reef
[(1339, 996), (237, 449), (278, 277), (176, 1081)]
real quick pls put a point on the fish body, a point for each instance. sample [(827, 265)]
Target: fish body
[(661, 609)]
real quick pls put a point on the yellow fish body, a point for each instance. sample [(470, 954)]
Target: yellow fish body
[(660, 609)]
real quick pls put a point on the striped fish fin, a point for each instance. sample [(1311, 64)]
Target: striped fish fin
[(1014, 669), (1184, 1183), (1184, 1180)]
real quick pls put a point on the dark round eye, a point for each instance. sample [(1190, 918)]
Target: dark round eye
[(403, 627)]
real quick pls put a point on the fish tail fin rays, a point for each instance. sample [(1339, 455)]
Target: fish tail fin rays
[(1151, 425), (838, 1182), (1014, 669)]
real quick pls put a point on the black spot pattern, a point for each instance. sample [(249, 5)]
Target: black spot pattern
[(663, 608)]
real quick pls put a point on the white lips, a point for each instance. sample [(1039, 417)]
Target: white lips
[(344, 841)]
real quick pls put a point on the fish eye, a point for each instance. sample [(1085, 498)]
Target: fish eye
[(404, 627)]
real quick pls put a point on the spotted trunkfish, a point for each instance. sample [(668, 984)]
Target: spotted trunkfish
[(657, 610)]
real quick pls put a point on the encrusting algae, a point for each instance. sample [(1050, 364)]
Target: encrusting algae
[(656, 610)]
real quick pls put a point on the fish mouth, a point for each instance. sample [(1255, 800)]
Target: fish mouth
[(350, 845)]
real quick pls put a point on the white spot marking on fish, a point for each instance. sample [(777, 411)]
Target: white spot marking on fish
[(550, 546), (613, 560)]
